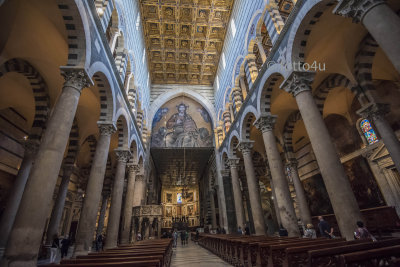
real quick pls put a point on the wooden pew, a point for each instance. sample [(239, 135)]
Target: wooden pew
[(147, 263), (373, 257), (330, 256)]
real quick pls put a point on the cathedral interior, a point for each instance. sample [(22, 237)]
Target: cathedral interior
[(143, 117)]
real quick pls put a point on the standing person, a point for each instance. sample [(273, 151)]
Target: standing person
[(139, 237), (55, 245), (362, 232), (239, 231), (197, 235), (65, 246), (175, 235), (223, 231), (186, 237), (283, 231), (324, 228), (310, 232), (99, 243), (247, 230), (183, 238)]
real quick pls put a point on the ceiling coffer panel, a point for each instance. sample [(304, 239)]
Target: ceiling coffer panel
[(184, 39)]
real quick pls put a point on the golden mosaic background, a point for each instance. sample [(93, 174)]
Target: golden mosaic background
[(184, 39)]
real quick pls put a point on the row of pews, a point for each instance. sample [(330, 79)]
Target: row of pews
[(148, 253), (295, 251)]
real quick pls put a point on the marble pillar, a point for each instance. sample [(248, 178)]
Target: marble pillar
[(336, 182), (58, 208), (245, 147), (380, 20), (15, 195), (376, 114), (127, 218), (102, 216), (87, 221), (116, 199), (223, 217), (276, 207), (139, 190), (305, 214), (285, 204), (213, 213), (237, 193), (36, 200)]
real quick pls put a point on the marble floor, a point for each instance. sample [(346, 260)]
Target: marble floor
[(194, 255)]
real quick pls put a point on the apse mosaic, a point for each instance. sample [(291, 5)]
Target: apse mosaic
[(181, 122)]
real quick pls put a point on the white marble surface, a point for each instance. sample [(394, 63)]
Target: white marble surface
[(195, 256)]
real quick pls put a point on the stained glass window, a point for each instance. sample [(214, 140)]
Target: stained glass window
[(368, 132), (179, 197)]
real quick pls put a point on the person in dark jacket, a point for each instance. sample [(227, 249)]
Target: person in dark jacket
[(324, 228), (65, 246), (55, 245), (283, 231), (247, 230)]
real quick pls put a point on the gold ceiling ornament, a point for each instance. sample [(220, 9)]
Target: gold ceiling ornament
[(184, 39)]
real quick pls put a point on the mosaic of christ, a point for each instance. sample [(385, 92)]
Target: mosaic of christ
[(181, 122)]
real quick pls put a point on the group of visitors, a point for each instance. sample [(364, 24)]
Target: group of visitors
[(245, 231), (326, 230), (184, 237), (59, 244)]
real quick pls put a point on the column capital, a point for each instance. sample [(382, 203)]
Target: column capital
[(233, 162), (298, 82), (374, 111), (106, 128), (246, 146), (31, 146), (356, 9), (123, 155), (75, 77), (266, 122), (133, 168), (140, 177)]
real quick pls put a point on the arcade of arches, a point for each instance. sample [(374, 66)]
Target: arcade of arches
[(124, 117)]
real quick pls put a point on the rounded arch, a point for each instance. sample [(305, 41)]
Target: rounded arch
[(330, 82), (79, 41), (268, 81), (233, 142), (123, 131), (133, 148), (252, 29), (250, 114), (103, 82), (165, 97), (40, 93), (304, 23), (236, 70)]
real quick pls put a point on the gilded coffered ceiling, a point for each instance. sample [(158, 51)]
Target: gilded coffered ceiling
[(184, 38)]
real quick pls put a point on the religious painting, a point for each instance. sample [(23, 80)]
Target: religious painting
[(168, 211), (189, 197), (317, 196), (169, 198), (181, 122), (190, 210), (179, 198)]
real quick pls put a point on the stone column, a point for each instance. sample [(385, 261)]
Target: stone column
[(278, 216), (337, 184), (213, 213), (376, 114), (237, 193), (103, 209), (381, 22), (35, 203), (15, 195), (254, 190), (221, 194), (127, 219), (285, 204), (140, 187), (87, 221), (261, 49), (305, 214), (58, 208), (116, 199)]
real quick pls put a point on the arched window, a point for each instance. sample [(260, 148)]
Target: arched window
[(368, 132)]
